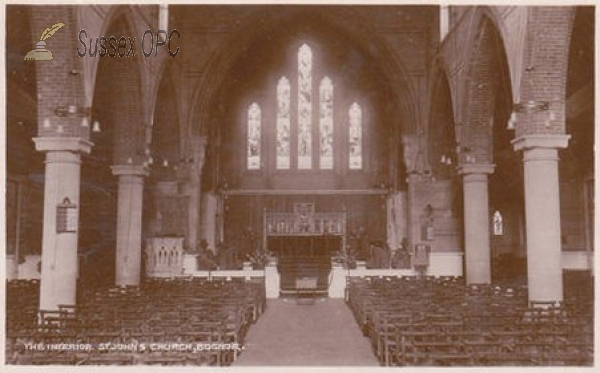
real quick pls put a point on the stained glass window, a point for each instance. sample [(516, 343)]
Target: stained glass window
[(304, 108), (294, 124), (498, 224), (283, 124), (254, 137), (355, 130), (326, 124)]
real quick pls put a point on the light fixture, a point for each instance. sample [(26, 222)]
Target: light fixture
[(165, 163), (46, 123), (129, 160), (60, 128), (446, 159), (149, 160), (96, 127), (62, 111), (85, 122), (530, 106), (512, 121)]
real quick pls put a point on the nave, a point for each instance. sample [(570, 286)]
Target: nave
[(320, 334), (416, 161), (388, 321)]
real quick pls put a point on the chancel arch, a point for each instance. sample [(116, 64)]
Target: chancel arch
[(324, 137)]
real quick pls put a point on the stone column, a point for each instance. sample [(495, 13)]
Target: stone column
[(129, 223), (413, 210), (542, 214), (198, 149), (477, 222), (59, 250)]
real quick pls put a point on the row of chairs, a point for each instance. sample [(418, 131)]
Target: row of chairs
[(181, 321), (440, 321)]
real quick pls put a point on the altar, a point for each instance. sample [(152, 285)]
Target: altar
[(304, 221), (303, 240)]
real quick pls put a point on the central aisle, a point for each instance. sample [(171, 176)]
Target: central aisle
[(322, 334)]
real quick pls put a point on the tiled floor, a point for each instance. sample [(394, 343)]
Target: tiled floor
[(321, 334)]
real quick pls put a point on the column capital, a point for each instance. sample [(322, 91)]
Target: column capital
[(541, 141), (476, 168), (67, 144), (130, 170)]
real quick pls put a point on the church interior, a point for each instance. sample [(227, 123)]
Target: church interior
[(421, 176)]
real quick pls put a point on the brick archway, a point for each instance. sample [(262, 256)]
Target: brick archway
[(479, 95), (100, 20), (441, 133), (118, 104)]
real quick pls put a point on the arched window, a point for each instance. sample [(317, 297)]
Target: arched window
[(355, 132), (304, 108), (283, 124), (254, 136), (498, 224), (305, 117), (326, 124)]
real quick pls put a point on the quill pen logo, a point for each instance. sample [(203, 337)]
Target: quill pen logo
[(40, 53)]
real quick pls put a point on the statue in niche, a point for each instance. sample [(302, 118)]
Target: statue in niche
[(303, 226)]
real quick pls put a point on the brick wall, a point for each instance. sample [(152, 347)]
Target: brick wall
[(481, 89), (545, 69), (56, 85)]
